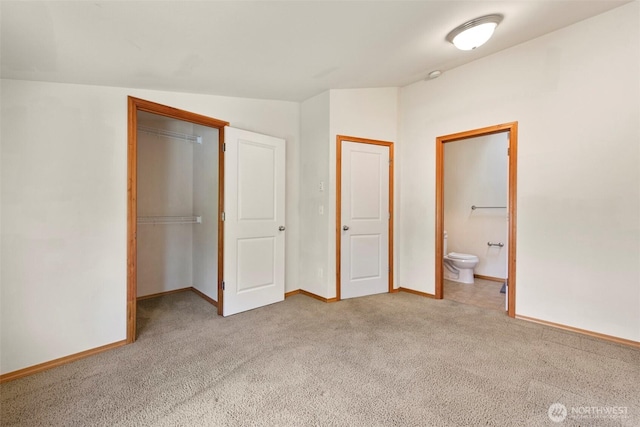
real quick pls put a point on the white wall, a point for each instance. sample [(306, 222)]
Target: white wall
[(314, 169), (475, 173), (362, 113), (575, 94), (205, 204), (165, 188), (64, 203), (177, 178)]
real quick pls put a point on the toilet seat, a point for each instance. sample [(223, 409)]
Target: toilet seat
[(457, 255)]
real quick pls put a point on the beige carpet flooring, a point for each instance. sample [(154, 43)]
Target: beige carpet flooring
[(384, 360)]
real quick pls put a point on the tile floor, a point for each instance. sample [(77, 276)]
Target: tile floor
[(483, 293)]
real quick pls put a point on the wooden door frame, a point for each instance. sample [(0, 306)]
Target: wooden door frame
[(135, 105), (512, 130), (339, 140)]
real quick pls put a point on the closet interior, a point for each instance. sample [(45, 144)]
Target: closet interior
[(177, 206)]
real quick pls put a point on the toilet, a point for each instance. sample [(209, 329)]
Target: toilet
[(458, 267)]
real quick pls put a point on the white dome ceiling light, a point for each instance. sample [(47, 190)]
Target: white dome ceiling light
[(474, 33)]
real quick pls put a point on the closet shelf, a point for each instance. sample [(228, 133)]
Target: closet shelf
[(170, 134), (169, 220)]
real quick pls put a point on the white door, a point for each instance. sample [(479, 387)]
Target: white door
[(364, 251), (254, 235)]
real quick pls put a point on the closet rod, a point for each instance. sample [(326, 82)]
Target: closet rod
[(171, 134), (169, 220)]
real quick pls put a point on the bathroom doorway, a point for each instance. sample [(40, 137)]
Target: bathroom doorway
[(480, 219)]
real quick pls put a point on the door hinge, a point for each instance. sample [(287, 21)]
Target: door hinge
[(388, 215), (224, 146), (223, 285), (223, 216), (508, 151), (390, 162)]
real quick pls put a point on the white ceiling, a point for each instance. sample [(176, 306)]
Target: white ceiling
[(288, 50)]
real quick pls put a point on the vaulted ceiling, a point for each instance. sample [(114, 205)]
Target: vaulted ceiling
[(288, 50)]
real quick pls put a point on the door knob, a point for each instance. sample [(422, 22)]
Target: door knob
[(281, 228), (345, 227)]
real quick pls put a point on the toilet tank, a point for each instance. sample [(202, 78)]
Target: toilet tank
[(444, 245)]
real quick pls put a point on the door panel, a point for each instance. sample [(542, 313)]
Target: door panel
[(365, 256), (365, 182), (256, 186), (256, 263), (364, 263), (254, 211)]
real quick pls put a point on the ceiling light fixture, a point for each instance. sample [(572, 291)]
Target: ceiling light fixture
[(474, 33)]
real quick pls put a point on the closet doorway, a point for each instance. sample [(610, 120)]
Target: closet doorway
[(175, 233), (193, 235), (510, 131)]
